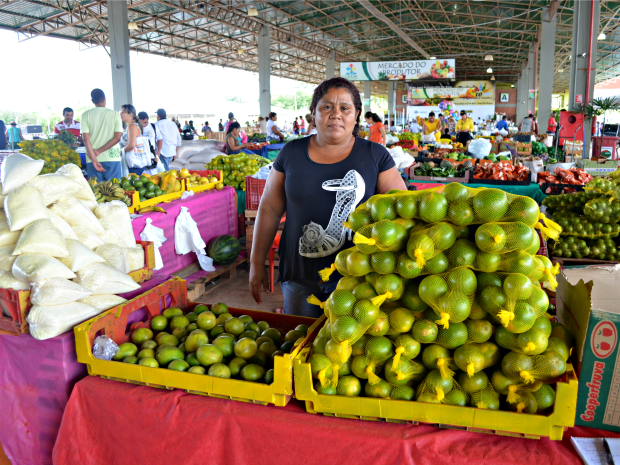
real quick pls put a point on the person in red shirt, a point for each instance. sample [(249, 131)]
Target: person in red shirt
[(69, 124), (552, 124)]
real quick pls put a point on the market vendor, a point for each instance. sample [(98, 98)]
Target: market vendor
[(502, 124), (318, 181), (233, 140), (69, 124), (464, 128), (432, 126), (273, 132)]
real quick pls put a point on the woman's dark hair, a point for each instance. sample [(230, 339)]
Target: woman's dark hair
[(392, 123), (339, 83), (374, 116), (231, 126), (272, 114), (432, 113), (386, 123), (130, 109)]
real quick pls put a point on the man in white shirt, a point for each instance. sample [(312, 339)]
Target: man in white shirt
[(168, 138), (415, 127)]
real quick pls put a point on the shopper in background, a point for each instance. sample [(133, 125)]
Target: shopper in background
[(502, 124), (295, 127), (302, 125), (376, 129), (69, 124), (535, 125), (148, 130), (233, 141), (206, 128), (526, 125), (451, 125), (186, 126), (273, 132), (168, 139), (134, 147), (432, 126), (392, 126), (2, 135), (231, 119), (464, 128), (552, 124), (311, 127), (220, 126), (318, 181), (442, 121), (176, 122), (102, 129), (262, 125), (415, 127), (14, 136)]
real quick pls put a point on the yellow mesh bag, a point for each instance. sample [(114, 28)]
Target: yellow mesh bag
[(501, 238), (377, 350), (405, 346), (472, 358), (425, 244), (436, 357), (403, 372), (450, 294), (321, 368), (436, 390), (479, 330), (603, 209), (348, 283), (545, 397), (527, 369), (600, 186), (385, 390), (532, 342), (486, 398), (452, 337), (384, 235), (470, 384), (425, 331), (389, 287)]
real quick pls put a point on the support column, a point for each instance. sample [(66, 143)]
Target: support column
[(522, 95), (531, 80), (264, 71), (547, 58), (580, 54), (391, 94), (119, 53), (330, 65), (366, 96)]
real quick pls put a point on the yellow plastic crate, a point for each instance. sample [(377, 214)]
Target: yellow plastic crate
[(146, 272), (209, 186), (444, 416), (114, 323)]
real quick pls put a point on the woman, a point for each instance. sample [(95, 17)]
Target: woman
[(14, 136), (442, 121), (464, 128), (318, 181), (231, 119), (273, 132), (206, 128), (452, 126), (535, 125), (376, 129), (2, 135), (133, 148), (432, 126), (311, 127), (262, 125), (233, 140)]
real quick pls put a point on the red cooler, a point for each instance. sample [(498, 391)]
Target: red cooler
[(604, 147)]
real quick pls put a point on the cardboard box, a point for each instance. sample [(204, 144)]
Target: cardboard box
[(588, 304)]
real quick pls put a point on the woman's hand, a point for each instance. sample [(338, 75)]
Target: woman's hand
[(258, 278)]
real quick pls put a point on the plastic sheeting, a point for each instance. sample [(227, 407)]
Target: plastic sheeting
[(176, 427)]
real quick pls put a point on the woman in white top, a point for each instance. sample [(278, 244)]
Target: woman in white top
[(273, 132), (262, 125), (311, 126), (132, 142)]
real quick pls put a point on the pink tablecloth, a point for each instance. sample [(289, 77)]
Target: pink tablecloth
[(36, 380), (215, 212)]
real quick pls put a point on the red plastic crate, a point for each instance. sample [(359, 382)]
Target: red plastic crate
[(253, 192), (15, 307)]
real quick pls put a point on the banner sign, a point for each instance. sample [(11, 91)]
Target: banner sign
[(463, 93), (397, 70)]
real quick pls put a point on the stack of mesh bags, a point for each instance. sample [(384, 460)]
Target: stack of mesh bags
[(441, 301), (71, 252)]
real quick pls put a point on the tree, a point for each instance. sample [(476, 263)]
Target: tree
[(235, 99), (300, 100)]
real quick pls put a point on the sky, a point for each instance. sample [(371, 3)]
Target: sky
[(48, 73)]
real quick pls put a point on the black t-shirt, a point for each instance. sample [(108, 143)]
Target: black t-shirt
[(319, 198)]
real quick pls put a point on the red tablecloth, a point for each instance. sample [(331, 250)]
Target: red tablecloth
[(36, 379), (214, 211), (107, 422)]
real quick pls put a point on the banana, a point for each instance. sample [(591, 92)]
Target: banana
[(153, 209)]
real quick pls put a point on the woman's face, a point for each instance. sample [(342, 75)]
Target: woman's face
[(236, 132), (431, 118), (126, 117), (369, 121), (335, 115), (274, 118)]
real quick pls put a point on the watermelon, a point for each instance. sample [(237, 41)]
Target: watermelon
[(224, 250)]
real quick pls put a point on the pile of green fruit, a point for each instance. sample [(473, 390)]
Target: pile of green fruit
[(211, 342), (538, 148), (441, 301), (495, 158), (55, 153), (236, 167)]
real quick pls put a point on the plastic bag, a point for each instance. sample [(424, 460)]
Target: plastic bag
[(17, 170), (104, 348), (472, 358), (115, 255), (186, 235), (24, 206), (187, 194), (205, 156), (37, 267), (156, 236), (75, 172), (88, 237), (2, 197), (46, 321), (103, 301), (103, 279), (62, 225), (6, 264), (110, 237), (77, 215), (8, 237), (528, 369), (90, 204), (42, 237), (438, 390), (480, 148), (54, 186), (115, 216), (8, 281), (80, 256), (135, 258), (56, 291)]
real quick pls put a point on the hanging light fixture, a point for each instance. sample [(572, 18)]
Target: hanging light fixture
[(252, 12), (601, 36), (132, 26), (488, 58), (432, 58), (560, 70), (512, 85), (240, 52), (489, 70), (492, 78)]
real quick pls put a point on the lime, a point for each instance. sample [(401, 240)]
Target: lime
[(517, 287), (191, 317), (125, 350), (245, 348), (168, 339), (293, 335), (252, 372), (490, 205), (234, 326), (148, 362), (216, 331), (433, 207), (273, 334), (131, 359), (159, 323), (141, 335), (197, 370), (206, 320), (268, 379), (381, 389), (252, 327), (165, 355), (365, 312), (349, 386), (223, 318), (196, 339), (209, 354), (327, 390), (250, 334), (219, 308), (200, 308), (192, 360), (148, 345), (180, 333), (262, 326), (287, 346), (219, 370), (172, 312), (235, 365), (178, 365), (261, 358), (160, 335), (455, 192), (225, 343), (246, 319), (146, 353), (268, 347)]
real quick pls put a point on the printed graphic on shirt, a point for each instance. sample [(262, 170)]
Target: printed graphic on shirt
[(317, 242)]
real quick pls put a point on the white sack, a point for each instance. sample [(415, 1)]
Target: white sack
[(42, 237), (103, 279), (46, 321), (115, 216), (17, 170), (24, 206), (56, 291), (103, 301), (80, 256), (54, 186), (76, 214), (37, 267)]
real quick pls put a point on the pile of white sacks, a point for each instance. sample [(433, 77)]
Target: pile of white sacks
[(195, 154), (73, 253)]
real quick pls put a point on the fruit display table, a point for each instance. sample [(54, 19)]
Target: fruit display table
[(111, 422), (36, 379), (214, 211), (533, 190)]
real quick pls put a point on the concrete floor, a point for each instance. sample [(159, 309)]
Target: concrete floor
[(236, 293)]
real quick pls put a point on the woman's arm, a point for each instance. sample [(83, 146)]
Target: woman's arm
[(383, 135), (234, 145), (424, 129), (390, 179), (132, 134), (272, 207)]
